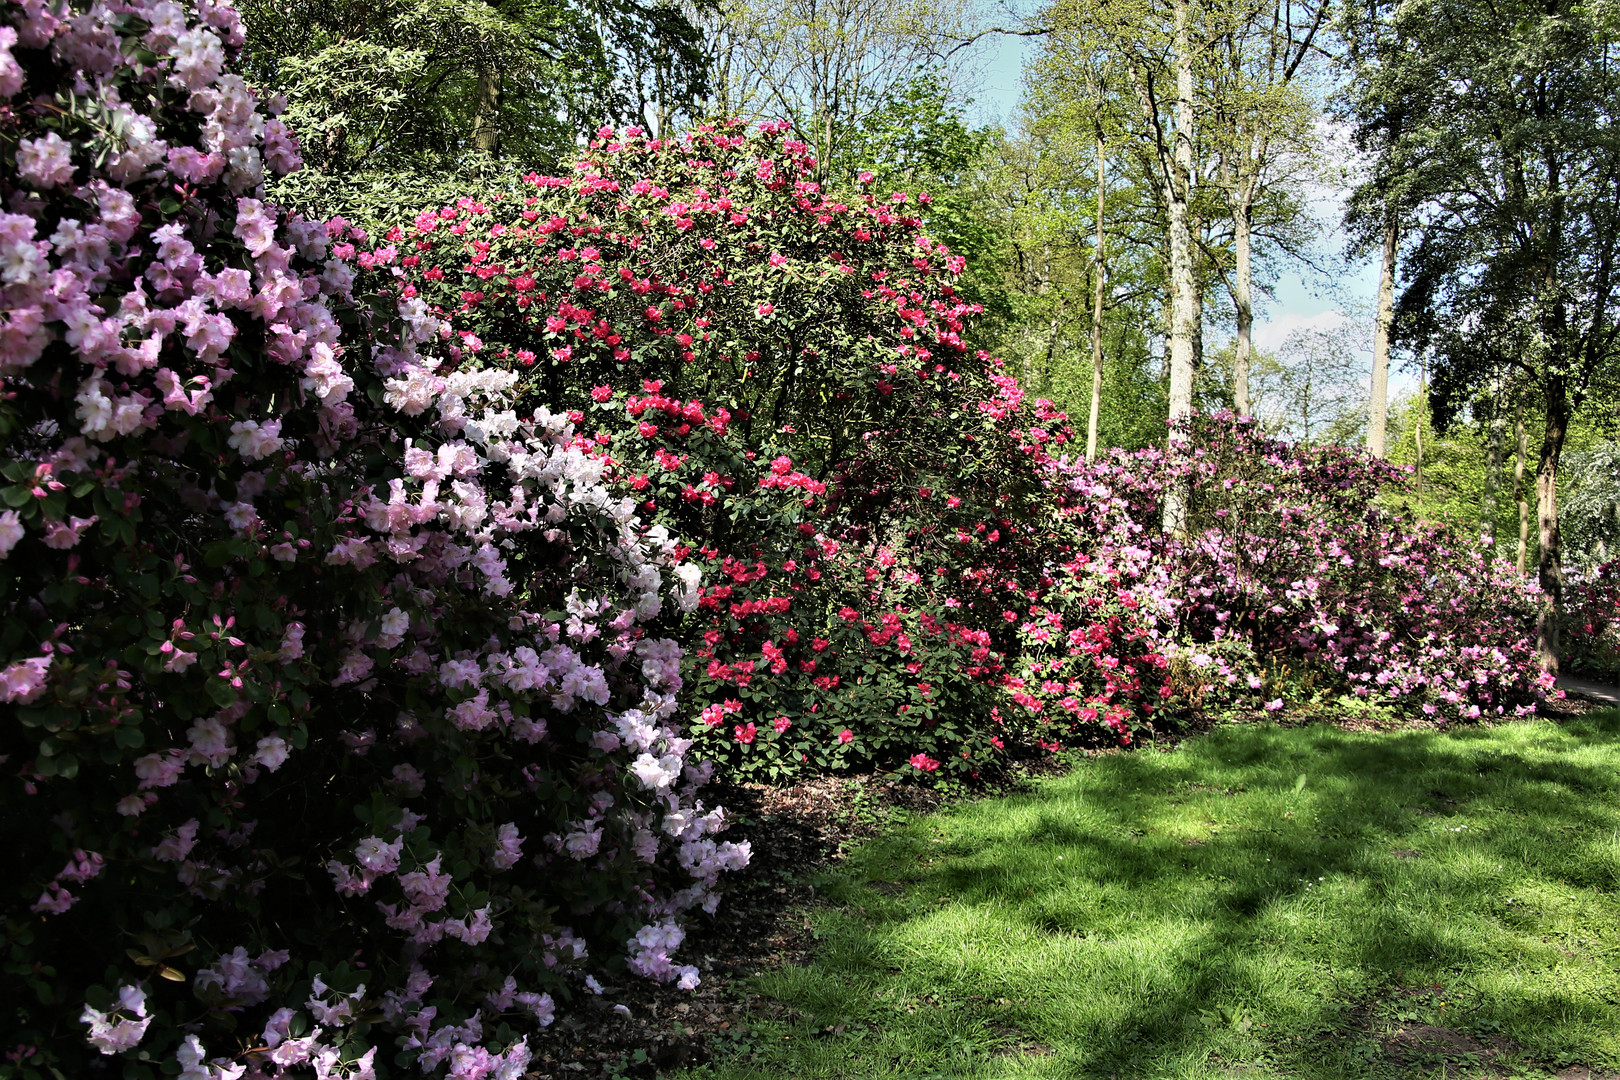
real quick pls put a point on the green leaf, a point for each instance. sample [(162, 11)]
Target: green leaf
[(223, 693)]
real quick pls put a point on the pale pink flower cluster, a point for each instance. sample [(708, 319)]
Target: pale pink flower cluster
[(24, 681), (56, 898), (239, 978), (123, 1026), (156, 355)]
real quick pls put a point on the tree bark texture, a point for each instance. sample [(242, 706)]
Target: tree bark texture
[(1242, 301), (1493, 463), (487, 117), (1184, 300), (1096, 315), (1518, 482), (1378, 409), (1550, 565)]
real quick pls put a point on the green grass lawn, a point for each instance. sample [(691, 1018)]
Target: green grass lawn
[(1261, 901)]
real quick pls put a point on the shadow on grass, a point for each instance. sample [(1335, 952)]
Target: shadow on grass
[(1263, 900)]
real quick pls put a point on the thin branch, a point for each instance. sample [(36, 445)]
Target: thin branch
[(1039, 31)]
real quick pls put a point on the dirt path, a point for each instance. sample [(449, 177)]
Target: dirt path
[(1586, 688)]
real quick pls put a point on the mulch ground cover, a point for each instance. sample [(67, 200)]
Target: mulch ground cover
[(639, 1029)]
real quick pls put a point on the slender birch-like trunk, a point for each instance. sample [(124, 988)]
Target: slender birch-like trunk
[(1422, 409), (1378, 410), (1550, 565), (1242, 298), (1096, 314), (1493, 464), (1518, 483), (1184, 313)]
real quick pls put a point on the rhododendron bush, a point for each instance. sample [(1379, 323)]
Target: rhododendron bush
[(335, 736), (901, 574), (777, 373), (1291, 581), (1592, 629)]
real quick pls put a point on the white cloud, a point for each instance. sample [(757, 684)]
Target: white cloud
[(1270, 333)]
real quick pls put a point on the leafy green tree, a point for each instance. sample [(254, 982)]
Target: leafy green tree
[(1495, 132), (1079, 329), (397, 100), (1591, 512), (918, 141), (1263, 128), (1156, 46), (824, 65)]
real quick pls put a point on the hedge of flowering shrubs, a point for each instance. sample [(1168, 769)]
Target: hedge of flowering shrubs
[(335, 739), (900, 573), (778, 375), (1291, 582)]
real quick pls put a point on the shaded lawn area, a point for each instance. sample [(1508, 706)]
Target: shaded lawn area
[(1300, 902)]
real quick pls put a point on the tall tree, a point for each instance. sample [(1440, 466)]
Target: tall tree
[(1495, 123), (1157, 46), (824, 65), (1262, 124), (390, 97), (1378, 401), (1098, 287)]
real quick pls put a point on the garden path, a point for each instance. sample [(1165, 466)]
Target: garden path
[(1575, 684)]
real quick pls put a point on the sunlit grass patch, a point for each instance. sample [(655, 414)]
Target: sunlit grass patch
[(1301, 902)]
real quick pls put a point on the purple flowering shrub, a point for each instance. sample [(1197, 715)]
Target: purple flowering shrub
[(1291, 580), (1592, 627), (335, 738)]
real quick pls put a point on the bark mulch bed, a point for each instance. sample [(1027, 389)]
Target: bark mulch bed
[(640, 1029)]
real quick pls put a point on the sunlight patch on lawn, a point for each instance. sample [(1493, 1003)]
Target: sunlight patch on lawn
[(1261, 901)]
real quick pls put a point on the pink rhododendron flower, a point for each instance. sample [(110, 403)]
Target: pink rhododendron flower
[(11, 76), (123, 1026), (271, 752), (178, 844), (45, 162), (11, 529), (24, 681)]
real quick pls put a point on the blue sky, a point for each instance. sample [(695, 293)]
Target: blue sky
[(1302, 298)]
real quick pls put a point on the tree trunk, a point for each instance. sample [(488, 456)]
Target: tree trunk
[(1195, 228), (1378, 412), (1422, 410), (1184, 313), (1096, 316), (1550, 567), (1493, 465), (1242, 300), (487, 117), (1518, 483), (1043, 288)]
